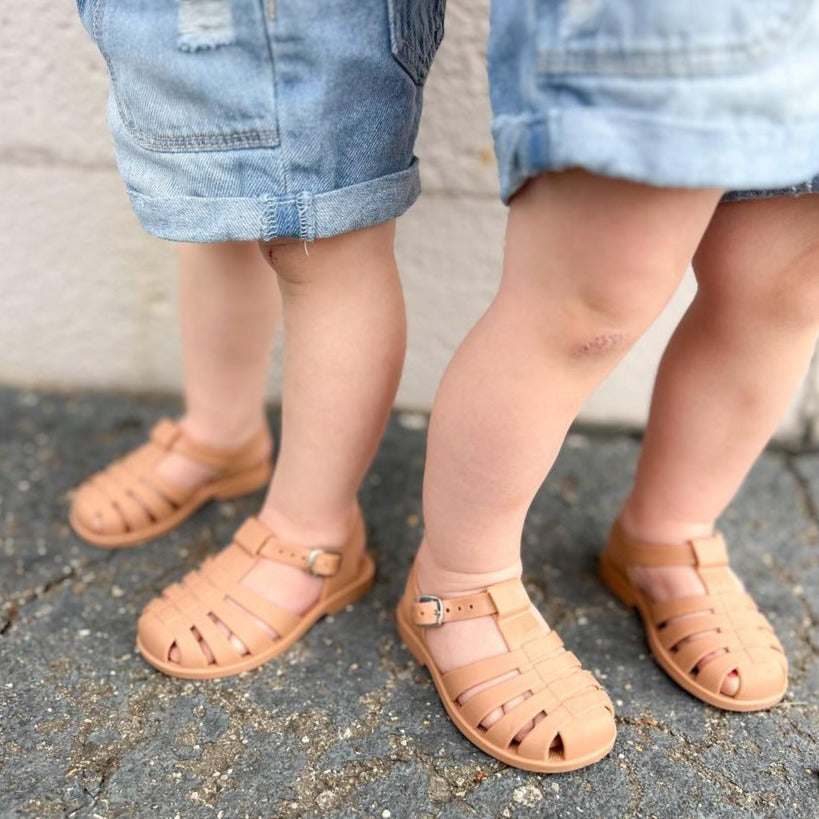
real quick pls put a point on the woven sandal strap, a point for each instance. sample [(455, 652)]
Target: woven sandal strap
[(170, 436), (703, 552), (257, 540), (430, 611)]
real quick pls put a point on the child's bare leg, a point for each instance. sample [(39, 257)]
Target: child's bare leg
[(727, 376), (345, 336), (229, 307), (589, 263)]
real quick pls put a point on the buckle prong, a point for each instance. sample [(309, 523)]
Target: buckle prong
[(439, 610)]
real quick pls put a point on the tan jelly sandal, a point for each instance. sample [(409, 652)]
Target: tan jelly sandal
[(682, 632), (187, 613), (136, 504), (568, 701)]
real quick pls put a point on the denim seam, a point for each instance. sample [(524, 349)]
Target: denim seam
[(307, 216), (270, 20), (412, 60), (269, 218), (253, 138)]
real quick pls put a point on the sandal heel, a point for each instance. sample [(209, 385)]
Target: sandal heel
[(351, 594), (409, 639), (249, 481), (617, 584)]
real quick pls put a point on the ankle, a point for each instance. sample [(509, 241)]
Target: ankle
[(331, 531), (222, 433), (445, 581), (653, 528)]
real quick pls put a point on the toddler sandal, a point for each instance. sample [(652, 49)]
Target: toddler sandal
[(136, 504), (684, 631), (566, 702), (187, 614)]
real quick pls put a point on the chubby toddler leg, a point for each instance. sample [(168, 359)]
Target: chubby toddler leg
[(229, 307), (589, 263), (726, 378), (345, 333)]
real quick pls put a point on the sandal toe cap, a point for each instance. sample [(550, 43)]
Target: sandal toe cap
[(588, 734), (762, 681), (153, 636), (92, 512)]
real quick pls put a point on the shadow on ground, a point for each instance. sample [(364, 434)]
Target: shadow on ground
[(346, 724)]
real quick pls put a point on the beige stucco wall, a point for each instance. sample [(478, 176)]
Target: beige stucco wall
[(87, 299)]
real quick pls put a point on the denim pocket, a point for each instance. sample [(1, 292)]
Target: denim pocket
[(657, 38), (189, 75), (416, 31)]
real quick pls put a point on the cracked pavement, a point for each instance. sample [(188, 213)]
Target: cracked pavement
[(345, 724)]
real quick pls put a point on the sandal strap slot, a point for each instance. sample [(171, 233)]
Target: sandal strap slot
[(503, 731), (461, 679), (190, 652), (252, 635), (713, 673), (220, 646), (479, 705), (690, 655)]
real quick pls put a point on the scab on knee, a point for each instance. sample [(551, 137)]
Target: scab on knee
[(599, 345)]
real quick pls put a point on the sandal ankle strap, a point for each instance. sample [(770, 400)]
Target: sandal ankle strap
[(702, 552), (430, 611), (170, 436), (507, 598), (257, 540)]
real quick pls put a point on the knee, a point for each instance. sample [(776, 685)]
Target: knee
[(578, 328), (335, 261), (598, 346), (600, 320), (287, 257)]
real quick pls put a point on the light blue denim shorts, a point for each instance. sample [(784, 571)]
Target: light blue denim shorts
[(678, 93), (261, 119)]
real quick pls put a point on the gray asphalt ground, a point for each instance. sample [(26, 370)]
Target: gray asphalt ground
[(346, 724)]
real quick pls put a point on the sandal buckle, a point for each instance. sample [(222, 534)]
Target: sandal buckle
[(439, 610), (314, 555)]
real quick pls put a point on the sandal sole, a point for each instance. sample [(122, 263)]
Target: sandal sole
[(624, 590), (420, 653), (350, 593)]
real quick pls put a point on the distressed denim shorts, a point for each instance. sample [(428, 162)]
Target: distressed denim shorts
[(260, 119), (694, 93)]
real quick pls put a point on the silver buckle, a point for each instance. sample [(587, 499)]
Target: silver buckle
[(439, 610), (311, 560)]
